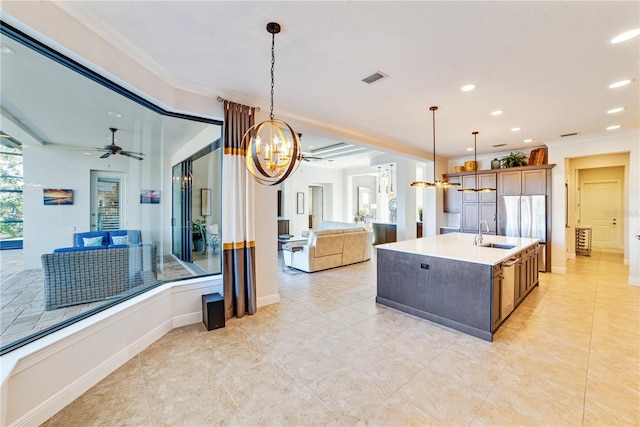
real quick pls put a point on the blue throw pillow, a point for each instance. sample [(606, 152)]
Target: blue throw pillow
[(120, 240), (134, 236), (92, 241)]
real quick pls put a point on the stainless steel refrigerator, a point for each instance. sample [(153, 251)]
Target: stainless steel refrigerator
[(524, 216)]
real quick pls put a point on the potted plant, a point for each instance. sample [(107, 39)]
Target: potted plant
[(514, 159), (196, 234)]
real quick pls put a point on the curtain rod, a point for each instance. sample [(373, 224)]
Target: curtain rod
[(221, 99)]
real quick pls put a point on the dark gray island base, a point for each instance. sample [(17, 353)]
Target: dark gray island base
[(471, 297)]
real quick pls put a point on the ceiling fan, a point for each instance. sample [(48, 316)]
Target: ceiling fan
[(114, 149), (307, 158)]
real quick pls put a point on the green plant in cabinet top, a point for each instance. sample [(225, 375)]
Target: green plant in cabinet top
[(514, 159)]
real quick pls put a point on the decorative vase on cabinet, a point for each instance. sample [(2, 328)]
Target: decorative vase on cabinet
[(495, 164)]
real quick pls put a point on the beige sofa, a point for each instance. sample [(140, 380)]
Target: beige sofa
[(329, 248)]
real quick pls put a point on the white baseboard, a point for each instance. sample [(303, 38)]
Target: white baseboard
[(62, 398), (150, 316), (559, 270), (268, 300), (635, 281), (187, 319)]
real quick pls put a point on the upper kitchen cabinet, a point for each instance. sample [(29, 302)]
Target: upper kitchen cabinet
[(452, 197), (485, 180), (522, 182)]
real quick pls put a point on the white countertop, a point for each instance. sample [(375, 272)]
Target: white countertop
[(459, 246)]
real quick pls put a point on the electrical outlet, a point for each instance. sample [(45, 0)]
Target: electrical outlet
[(424, 266)]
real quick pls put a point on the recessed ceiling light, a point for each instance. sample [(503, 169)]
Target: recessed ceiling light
[(467, 88), (619, 84), (113, 114), (6, 49), (496, 113), (469, 149), (615, 110), (627, 35), (614, 127), (310, 147), (516, 129), (528, 140)]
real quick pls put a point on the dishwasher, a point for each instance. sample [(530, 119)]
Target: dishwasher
[(510, 277)]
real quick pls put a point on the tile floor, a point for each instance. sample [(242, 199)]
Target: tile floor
[(328, 355)]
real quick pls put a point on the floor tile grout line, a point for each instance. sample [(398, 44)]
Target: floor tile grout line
[(305, 387), (146, 389)]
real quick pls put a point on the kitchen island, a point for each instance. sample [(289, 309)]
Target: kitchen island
[(448, 280)]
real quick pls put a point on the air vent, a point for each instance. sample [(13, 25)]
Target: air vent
[(499, 145), (569, 134), (374, 77)]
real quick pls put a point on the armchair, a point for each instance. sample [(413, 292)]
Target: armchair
[(211, 237)]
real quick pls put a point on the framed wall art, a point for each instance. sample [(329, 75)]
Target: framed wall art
[(300, 203), (150, 196), (57, 196)]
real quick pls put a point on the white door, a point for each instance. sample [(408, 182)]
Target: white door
[(317, 201), (600, 208), (107, 204)]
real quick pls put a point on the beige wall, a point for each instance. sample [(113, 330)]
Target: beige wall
[(620, 148)]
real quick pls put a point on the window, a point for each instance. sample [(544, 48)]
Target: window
[(10, 193), (58, 116)]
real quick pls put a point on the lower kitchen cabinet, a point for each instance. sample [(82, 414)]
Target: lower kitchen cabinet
[(473, 213)]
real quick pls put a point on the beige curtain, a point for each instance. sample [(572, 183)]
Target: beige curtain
[(238, 225)]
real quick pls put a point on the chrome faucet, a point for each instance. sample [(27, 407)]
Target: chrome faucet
[(478, 239)]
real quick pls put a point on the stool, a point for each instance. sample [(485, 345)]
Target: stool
[(213, 311), (290, 248)]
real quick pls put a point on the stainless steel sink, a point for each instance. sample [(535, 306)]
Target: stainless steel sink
[(497, 245)]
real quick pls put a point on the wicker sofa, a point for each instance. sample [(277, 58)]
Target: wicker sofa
[(330, 248), (78, 274)]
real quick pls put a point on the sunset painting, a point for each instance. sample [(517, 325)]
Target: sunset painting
[(150, 196), (56, 196)]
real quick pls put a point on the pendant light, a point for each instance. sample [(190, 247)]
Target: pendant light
[(390, 192), (435, 183), (475, 162), (271, 148)]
